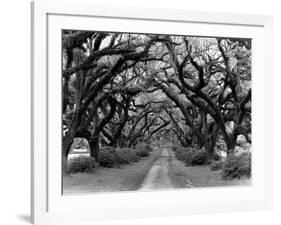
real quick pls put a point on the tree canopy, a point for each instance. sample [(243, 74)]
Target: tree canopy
[(120, 89)]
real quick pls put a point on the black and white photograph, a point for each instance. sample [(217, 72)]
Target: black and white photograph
[(148, 112), (140, 112)]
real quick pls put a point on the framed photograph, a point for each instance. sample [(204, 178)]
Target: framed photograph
[(140, 112)]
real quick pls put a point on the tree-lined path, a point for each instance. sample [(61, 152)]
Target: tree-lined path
[(124, 93)]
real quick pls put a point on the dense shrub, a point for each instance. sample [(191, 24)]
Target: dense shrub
[(216, 165), (180, 153), (143, 152), (188, 157), (199, 157), (134, 155), (110, 157), (143, 149), (127, 155), (150, 149), (81, 164), (107, 157), (147, 146), (196, 157), (237, 167), (192, 156), (123, 155)]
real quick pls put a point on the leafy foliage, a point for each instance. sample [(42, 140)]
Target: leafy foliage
[(107, 157), (216, 165), (127, 155), (196, 157), (143, 149), (143, 152), (181, 153), (237, 167), (134, 155), (81, 164), (191, 156), (111, 157)]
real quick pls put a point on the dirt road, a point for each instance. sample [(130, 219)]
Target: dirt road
[(159, 176)]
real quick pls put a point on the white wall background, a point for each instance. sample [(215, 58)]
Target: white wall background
[(15, 109)]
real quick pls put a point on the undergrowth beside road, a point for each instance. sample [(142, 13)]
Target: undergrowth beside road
[(234, 167), (126, 178), (203, 176)]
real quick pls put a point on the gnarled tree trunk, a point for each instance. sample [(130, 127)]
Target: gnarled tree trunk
[(67, 142), (94, 147)]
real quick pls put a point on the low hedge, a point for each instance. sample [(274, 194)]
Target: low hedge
[(238, 166), (122, 156), (181, 153), (143, 152), (192, 156), (81, 164), (110, 157), (134, 155), (143, 149), (196, 157), (127, 155), (107, 157), (216, 165)]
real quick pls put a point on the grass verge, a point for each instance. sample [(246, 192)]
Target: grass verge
[(126, 178), (201, 176)]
